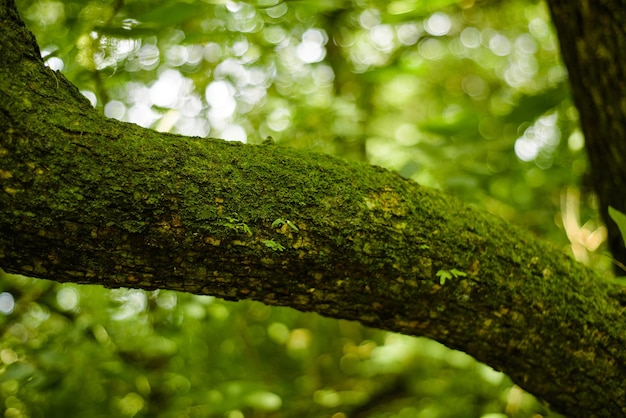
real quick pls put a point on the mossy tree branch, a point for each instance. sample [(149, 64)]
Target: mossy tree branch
[(91, 200)]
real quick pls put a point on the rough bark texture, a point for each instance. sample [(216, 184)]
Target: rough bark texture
[(592, 34), (91, 200)]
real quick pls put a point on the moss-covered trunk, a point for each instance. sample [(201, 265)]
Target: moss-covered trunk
[(91, 200)]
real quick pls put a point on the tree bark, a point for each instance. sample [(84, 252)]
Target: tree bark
[(91, 200), (593, 40)]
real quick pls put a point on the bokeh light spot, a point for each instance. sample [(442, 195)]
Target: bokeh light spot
[(438, 24), (7, 303)]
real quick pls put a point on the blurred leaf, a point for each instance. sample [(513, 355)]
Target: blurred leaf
[(403, 10), (320, 5), (172, 13), (19, 370), (529, 107), (620, 219), (463, 121)]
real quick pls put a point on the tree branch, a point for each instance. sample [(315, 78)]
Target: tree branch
[(91, 200), (593, 38)]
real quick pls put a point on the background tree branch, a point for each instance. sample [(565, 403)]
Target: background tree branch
[(592, 38)]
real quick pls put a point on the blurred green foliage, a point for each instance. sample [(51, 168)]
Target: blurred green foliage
[(466, 96)]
